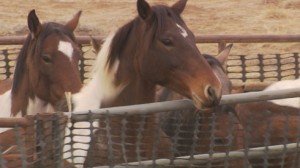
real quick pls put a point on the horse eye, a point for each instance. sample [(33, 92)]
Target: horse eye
[(46, 58), (167, 42)]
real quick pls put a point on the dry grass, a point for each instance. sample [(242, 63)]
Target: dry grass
[(275, 13), (292, 4), (203, 17)]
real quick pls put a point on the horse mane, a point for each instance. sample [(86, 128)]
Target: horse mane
[(20, 65), (30, 43), (158, 22)]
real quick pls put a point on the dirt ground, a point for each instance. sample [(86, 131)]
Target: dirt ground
[(223, 17)]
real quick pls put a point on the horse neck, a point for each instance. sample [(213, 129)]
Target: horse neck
[(137, 90), (26, 100)]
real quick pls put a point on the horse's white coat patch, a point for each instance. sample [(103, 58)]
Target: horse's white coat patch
[(66, 48), (182, 30), (5, 104), (37, 105), (100, 87), (34, 106), (286, 84)]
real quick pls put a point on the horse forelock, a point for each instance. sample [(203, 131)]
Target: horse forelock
[(51, 28), (159, 19)]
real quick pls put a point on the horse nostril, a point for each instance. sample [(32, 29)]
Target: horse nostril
[(210, 92), (212, 98)]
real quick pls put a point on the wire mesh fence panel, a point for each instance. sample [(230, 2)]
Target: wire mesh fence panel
[(37, 144), (252, 135), (8, 56), (252, 72), (187, 138), (255, 72)]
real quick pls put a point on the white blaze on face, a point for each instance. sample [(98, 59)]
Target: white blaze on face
[(182, 30), (66, 48)]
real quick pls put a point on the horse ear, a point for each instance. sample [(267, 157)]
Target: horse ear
[(34, 24), (96, 44), (72, 24), (223, 55), (179, 6), (144, 9)]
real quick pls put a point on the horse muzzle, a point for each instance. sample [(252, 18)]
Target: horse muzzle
[(210, 99)]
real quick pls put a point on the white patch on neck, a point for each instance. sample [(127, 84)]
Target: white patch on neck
[(34, 106), (66, 48), (286, 84), (101, 86), (183, 32), (5, 104), (37, 105)]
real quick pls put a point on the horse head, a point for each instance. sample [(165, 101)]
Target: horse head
[(47, 65)]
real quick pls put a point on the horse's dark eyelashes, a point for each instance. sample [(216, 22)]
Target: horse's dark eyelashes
[(167, 42), (46, 58)]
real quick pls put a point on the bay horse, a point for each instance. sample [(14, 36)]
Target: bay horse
[(46, 68), (155, 48), (194, 126), (273, 122)]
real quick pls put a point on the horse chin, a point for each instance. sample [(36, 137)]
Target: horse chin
[(198, 102), (56, 95)]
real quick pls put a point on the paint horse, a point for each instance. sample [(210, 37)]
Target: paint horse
[(273, 122), (46, 68), (203, 131), (155, 48)]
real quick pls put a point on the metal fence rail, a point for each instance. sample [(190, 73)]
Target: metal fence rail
[(17, 40), (247, 72)]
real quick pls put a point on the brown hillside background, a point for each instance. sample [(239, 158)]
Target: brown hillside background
[(224, 17)]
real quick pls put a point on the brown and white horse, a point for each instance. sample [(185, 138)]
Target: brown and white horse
[(155, 48), (46, 68)]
